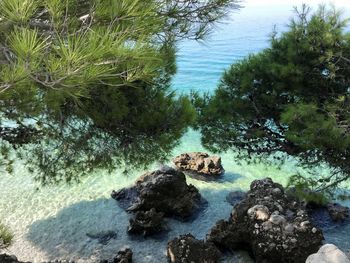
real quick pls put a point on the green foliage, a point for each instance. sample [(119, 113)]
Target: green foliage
[(6, 236), (131, 128), (17, 11), (302, 189), (291, 98), (319, 131), (66, 46), (84, 84)]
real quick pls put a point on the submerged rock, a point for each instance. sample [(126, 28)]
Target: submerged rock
[(187, 249), (164, 190), (125, 196), (103, 237), (235, 197), (271, 224), (123, 256), (328, 253), (200, 163), (146, 223), (338, 212)]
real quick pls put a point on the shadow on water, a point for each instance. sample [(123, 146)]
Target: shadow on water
[(86, 230), (77, 230), (230, 177)]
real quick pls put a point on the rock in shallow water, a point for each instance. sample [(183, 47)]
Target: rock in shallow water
[(338, 212), (164, 190), (123, 256), (187, 249), (200, 163), (235, 197), (328, 253), (146, 223), (103, 237), (274, 226)]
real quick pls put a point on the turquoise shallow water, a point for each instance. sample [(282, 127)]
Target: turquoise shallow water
[(51, 223)]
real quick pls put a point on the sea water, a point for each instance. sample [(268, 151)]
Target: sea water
[(53, 222)]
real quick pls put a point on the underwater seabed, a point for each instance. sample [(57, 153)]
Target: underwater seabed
[(52, 223)]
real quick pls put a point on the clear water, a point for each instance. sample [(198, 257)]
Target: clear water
[(52, 223)]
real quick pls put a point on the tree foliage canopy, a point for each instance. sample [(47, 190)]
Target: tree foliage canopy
[(63, 47), (291, 98), (85, 84)]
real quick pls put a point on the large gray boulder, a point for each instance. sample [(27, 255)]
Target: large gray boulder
[(328, 253), (200, 163), (164, 190), (274, 226)]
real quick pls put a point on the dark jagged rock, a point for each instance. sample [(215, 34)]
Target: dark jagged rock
[(187, 249), (274, 226), (4, 258), (123, 256), (103, 237), (146, 223), (125, 196), (338, 212), (165, 190), (200, 163)]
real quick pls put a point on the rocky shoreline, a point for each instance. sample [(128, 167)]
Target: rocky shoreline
[(268, 221), (271, 224)]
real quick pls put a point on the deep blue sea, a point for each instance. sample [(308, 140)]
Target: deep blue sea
[(244, 32)]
